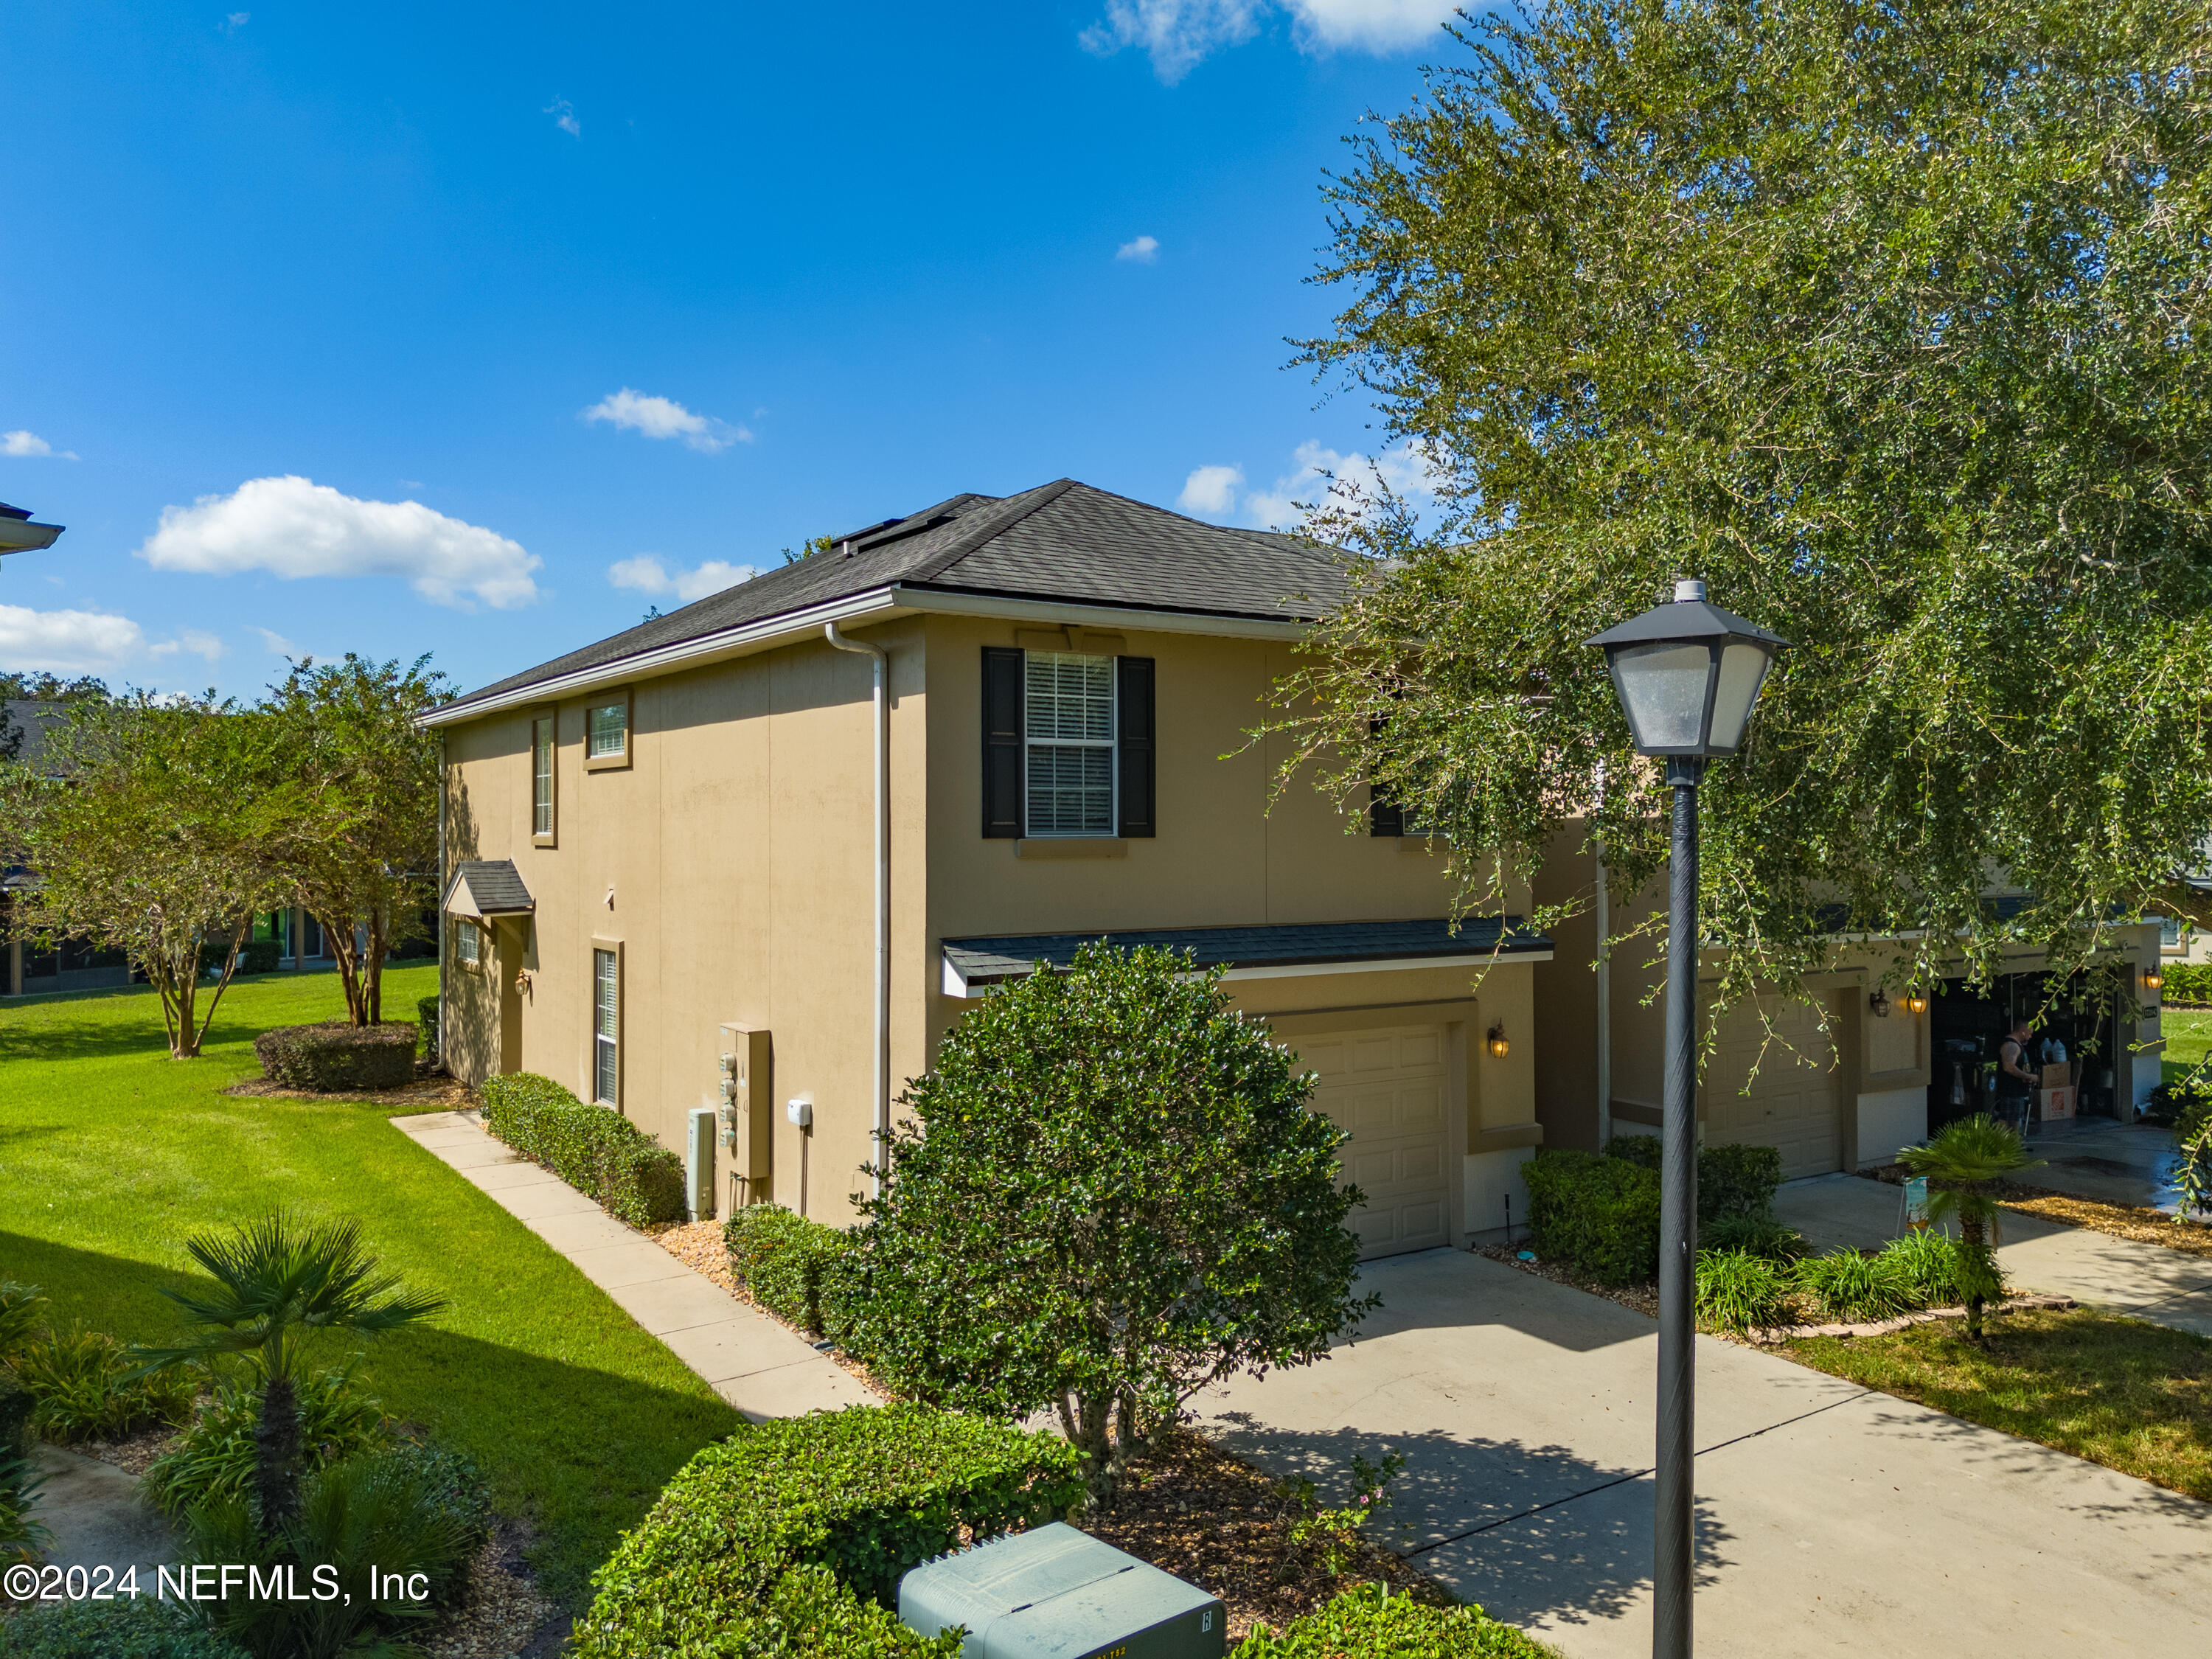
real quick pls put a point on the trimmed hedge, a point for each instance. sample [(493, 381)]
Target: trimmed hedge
[(425, 1022), (1368, 1622), (594, 1149), (792, 1267), (1732, 1180), (731, 1606), (335, 1057), (2187, 982), (1598, 1214), (867, 1492)]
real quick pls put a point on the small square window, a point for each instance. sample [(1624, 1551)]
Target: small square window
[(609, 728), (468, 943)]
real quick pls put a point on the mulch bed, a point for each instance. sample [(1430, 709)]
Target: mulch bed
[(1193, 1510), (1643, 1298), (2142, 1224), (502, 1614), (134, 1454), (426, 1094)]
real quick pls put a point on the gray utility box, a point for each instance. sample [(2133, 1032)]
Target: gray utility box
[(1056, 1593)]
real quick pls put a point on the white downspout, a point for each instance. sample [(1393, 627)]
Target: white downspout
[(881, 663)]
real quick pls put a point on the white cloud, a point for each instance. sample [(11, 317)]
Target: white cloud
[(564, 117), (198, 642), (292, 527), (646, 574), (277, 644), (236, 20), (1178, 34), (20, 443), (664, 418), (1211, 491), (1145, 251), (66, 641)]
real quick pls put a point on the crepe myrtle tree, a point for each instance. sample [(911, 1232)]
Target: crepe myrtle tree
[(1111, 1190), (1890, 322), (149, 825)]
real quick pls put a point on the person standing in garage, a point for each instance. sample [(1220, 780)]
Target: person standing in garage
[(2015, 1082)]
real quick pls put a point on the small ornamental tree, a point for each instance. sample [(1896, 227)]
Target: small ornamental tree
[(1110, 1192)]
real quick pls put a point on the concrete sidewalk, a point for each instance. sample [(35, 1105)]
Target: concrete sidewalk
[(750, 1360), (2146, 1281), (1832, 1519)]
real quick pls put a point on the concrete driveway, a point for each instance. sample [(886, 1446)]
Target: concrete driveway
[(1832, 1519)]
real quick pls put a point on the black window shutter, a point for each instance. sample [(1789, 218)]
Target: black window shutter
[(1002, 743), (1384, 816), (1133, 697)]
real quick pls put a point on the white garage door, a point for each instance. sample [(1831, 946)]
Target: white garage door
[(1387, 1088), (1792, 1103)]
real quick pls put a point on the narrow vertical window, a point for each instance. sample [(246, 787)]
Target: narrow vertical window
[(606, 1027), (1068, 710), (541, 779), (468, 943)]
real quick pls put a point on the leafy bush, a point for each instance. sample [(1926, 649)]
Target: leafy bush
[(260, 956), (19, 1314), (1758, 1235), (731, 1605), (388, 1512), (1741, 1291), (1852, 1287), (16, 1404), (594, 1149), (1368, 1622), (334, 1055), (792, 1267), (425, 1022), (867, 1492), (1597, 1215), (21, 1538), (2188, 982), (216, 1455), (1928, 1262), (1111, 1191), (142, 1629), (1732, 1180), (84, 1388)]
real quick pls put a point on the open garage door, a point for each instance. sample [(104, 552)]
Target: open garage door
[(1388, 1086), (1792, 1105)]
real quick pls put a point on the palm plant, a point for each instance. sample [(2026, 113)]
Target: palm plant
[(279, 1286), (1963, 1163)]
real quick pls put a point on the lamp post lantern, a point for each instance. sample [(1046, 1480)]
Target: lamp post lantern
[(1687, 674)]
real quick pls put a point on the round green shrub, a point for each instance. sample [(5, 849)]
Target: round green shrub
[(1929, 1262), (1368, 1622), (335, 1057)]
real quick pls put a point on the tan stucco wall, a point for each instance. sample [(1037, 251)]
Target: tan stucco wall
[(738, 845)]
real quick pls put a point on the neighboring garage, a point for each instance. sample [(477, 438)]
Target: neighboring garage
[(1793, 1103), (1387, 1088)]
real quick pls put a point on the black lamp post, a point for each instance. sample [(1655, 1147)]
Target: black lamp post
[(1688, 675)]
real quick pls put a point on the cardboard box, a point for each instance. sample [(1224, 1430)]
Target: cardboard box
[(2058, 1076), (2054, 1103)]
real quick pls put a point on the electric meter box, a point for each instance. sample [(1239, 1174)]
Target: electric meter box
[(1056, 1593)]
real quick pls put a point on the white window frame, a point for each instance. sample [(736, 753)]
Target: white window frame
[(468, 944), (545, 752), (607, 1047), (597, 759), (1111, 745)]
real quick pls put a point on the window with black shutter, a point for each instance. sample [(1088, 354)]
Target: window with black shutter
[(1068, 745), (1002, 743), (1134, 684)]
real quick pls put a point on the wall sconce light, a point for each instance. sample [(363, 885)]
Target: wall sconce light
[(1916, 1002), (2152, 978), (1878, 1004), (1498, 1046)]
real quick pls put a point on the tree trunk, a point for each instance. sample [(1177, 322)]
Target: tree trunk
[(238, 932), (1973, 1245), (277, 1455), (372, 969), (184, 987), (339, 942)]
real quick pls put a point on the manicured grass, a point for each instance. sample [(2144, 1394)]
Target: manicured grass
[(111, 1154), (2132, 1396), (2188, 1033)]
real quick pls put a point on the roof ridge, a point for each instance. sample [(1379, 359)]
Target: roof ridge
[(962, 546)]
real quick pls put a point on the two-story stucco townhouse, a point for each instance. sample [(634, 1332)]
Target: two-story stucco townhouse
[(662, 850)]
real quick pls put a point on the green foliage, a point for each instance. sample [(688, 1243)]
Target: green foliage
[(337, 1056), (797, 1269), (1852, 1287), (1741, 1291), (1368, 1622), (1733, 1181), (19, 1314), (142, 1629), (1597, 1215), (1927, 1263), (1110, 1192), (1326, 1540), (2187, 983), (728, 1609), (868, 1491), (16, 1404), (2192, 1174), (88, 1388), (1872, 317), (21, 1537), (216, 1456), (426, 1021), (597, 1151), (1963, 1162), (388, 1513), (1759, 1235)]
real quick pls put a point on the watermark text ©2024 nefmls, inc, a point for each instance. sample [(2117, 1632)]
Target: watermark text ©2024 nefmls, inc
[(208, 1581)]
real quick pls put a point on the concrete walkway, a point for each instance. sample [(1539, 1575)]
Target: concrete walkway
[(97, 1517), (2147, 1281), (1833, 1520), (750, 1360)]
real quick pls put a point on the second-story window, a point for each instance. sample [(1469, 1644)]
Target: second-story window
[(541, 778), (608, 729), (1068, 710)]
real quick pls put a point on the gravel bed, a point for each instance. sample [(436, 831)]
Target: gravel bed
[(502, 1614), (1643, 1298), (134, 1454)]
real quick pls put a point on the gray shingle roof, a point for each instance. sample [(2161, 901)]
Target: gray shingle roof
[(1061, 541), (988, 961), (493, 887)]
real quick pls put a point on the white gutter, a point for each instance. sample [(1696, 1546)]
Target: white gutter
[(878, 605), (882, 1081)]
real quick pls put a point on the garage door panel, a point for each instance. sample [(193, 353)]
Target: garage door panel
[(1791, 1104), (1387, 1087)]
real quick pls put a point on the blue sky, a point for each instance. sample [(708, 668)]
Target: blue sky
[(478, 330)]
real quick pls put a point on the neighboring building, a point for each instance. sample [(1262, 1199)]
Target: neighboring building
[(1878, 1077), (661, 849)]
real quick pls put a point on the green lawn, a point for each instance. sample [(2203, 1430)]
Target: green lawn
[(2188, 1033), (111, 1154)]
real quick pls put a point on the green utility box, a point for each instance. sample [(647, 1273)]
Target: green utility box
[(1056, 1593)]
